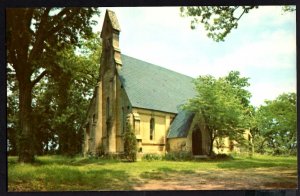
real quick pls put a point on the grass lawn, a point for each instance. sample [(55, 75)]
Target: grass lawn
[(57, 173)]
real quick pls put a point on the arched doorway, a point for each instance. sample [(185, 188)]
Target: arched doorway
[(197, 142)]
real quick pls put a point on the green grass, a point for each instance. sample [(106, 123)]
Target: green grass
[(58, 173)]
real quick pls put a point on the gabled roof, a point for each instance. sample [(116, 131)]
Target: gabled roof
[(152, 87), (181, 124)]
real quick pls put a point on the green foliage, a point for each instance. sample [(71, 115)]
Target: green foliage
[(75, 86), (277, 125), (289, 8), (178, 156), (152, 157), (239, 84), (222, 157), (130, 143), (12, 113), (52, 81), (222, 103), (59, 101), (217, 20)]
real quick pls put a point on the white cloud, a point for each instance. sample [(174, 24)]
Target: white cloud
[(268, 91), (273, 15), (275, 50)]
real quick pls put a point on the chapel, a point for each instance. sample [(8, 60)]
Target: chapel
[(149, 96)]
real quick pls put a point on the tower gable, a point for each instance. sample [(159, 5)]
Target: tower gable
[(111, 53)]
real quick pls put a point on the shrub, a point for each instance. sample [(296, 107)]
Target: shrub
[(152, 157), (100, 150), (178, 156), (130, 143), (221, 157)]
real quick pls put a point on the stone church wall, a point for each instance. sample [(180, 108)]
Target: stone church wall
[(178, 145), (142, 129)]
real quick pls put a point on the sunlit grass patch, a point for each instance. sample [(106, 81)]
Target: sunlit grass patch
[(58, 173)]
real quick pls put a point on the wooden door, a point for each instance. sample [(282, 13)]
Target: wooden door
[(197, 142)]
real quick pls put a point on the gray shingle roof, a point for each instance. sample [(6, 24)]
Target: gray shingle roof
[(181, 124), (153, 87)]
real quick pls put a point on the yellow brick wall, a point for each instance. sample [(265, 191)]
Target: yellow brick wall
[(162, 123)]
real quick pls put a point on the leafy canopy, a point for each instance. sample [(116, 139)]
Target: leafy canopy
[(277, 124), (221, 102), (37, 41)]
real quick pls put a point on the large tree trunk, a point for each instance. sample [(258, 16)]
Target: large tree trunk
[(26, 145)]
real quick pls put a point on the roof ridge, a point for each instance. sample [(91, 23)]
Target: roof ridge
[(157, 66)]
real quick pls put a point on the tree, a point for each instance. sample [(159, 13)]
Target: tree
[(57, 129), (12, 113), (277, 125), (219, 102), (75, 86), (130, 143), (239, 84), (219, 20), (34, 38)]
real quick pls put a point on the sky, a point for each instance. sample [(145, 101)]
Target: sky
[(262, 48)]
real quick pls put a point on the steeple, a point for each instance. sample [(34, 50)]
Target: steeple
[(110, 37)]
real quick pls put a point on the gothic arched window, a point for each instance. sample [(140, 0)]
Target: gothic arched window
[(152, 126)]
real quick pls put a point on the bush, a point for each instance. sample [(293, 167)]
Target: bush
[(178, 156), (100, 150), (130, 144), (152, 157), (221, 157)]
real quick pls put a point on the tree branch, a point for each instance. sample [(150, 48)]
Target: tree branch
[(241, 15), (38, 78), (40, 34), (62, 23), (44, 33)]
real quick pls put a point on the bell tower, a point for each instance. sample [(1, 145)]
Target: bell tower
[(110, 63), (110, 40)]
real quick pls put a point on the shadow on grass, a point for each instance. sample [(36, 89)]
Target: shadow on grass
[(75, 161), (106, 179), (164, 173), (65, 178)]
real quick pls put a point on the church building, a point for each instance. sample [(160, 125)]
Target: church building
[(150, 96)]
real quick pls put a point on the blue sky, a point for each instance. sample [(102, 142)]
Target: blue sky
[(263, 47)]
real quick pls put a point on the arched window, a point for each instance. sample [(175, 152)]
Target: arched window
[(152, 126)]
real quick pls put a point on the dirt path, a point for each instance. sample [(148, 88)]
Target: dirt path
[(224, 180)]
